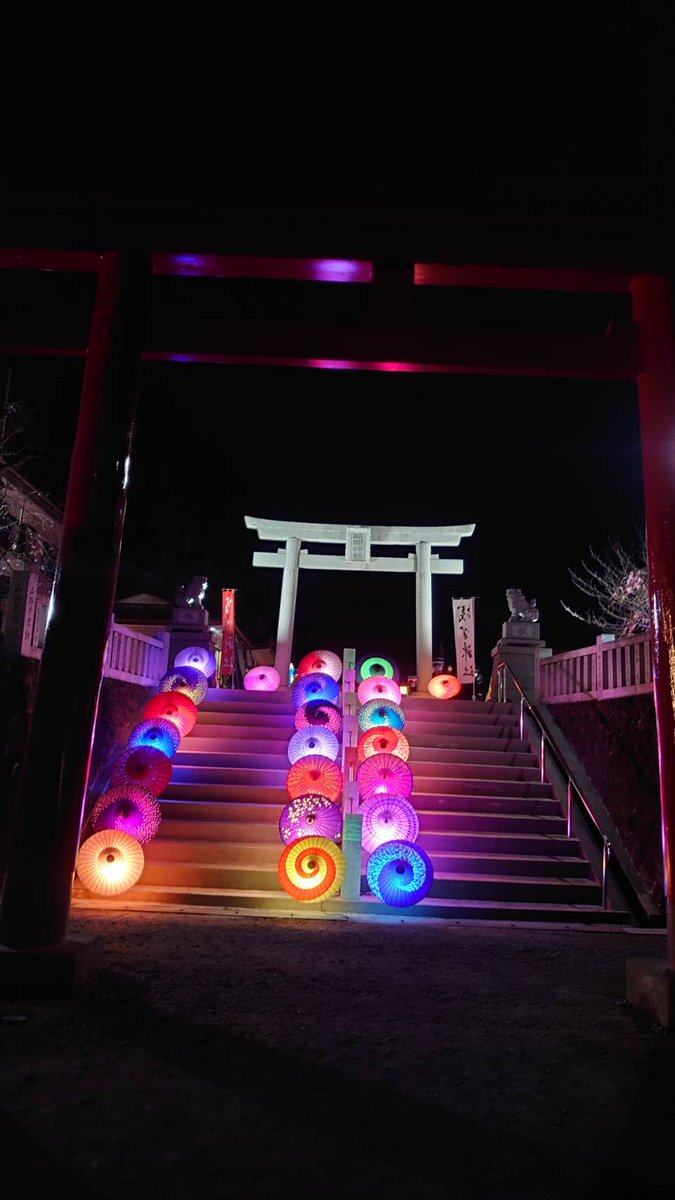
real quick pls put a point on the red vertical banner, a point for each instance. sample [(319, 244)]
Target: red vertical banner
[(227, 651)]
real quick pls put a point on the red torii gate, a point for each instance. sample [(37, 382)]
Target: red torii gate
[(392, 262)]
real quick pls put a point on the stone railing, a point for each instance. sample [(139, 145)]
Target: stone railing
[(611, 668)]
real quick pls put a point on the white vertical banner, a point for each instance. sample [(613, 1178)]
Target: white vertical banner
[(463, 618)]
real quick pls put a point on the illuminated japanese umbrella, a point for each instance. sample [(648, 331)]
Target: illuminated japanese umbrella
[(143, 765), (444, 687), (132, 808), (176, 707), (315, 687), (381, 712), (196, 656), (310, 816), (382, 740), (158, 732), (314, 774), (262, 679), (379, 687), (387, 819), (324, 661), (312, 869), (399, 874), (319, 712), (366, 667), (189, 680), (313, 739), (384, 775), (110, 862)]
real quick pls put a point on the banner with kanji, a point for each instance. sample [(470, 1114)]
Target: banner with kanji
[(227, 650), (463, 617)]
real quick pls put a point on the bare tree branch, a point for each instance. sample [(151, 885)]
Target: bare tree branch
[(617, 583)]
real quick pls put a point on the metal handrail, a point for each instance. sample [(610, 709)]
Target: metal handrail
[(572, 786)]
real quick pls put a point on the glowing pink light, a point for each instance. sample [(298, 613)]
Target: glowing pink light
[(388, 819), (241, 266), (262, 679), (384, 775), (378, 687)]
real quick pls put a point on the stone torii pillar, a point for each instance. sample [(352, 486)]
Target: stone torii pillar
[(357, 540), (289, 595)]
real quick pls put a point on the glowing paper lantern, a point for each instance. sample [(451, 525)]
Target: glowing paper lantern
[(132, 808), (384, 775), (311, 869), (315, 687), (110, 862), (319, 712), (379, 687), (262, 679), (145, 765), (382, 740), (310, 816), (157, 732), (176, 707), (381, 712), (314, 774), (399, 874), (196, 656), (323, 661), (366, 667), (388, 819), (188, 680), (444, 687), (313, 739)]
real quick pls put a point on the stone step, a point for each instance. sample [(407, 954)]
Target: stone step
[(420, 703), (282, 697), (463, 819), (226, 853), (263, 832), (199, 851), (462, 770), (480, 801), (276, 901), (448, 841), (528, 865), (426, 784), (237, 718), (237, 741), (228, 791), (493, 745), (248, 706), (259, 759), (248, 776), (505, 728), (233, 811), (261, 875), (497, 757)]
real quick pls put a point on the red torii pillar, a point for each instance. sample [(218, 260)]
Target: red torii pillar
[(653, 313), (49, 805)]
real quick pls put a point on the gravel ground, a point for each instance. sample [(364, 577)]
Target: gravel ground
[(247, 1057)]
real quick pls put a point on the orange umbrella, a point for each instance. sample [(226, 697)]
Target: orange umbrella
[(312, 869)]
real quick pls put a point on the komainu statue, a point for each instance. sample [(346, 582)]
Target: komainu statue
[(521, 609), (192, 595)]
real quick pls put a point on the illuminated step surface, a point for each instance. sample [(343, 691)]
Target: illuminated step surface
[(494, 831)]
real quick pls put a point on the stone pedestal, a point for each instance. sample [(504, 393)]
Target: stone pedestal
[(650, 986), (521, 646), (48, 971), (190, 627)]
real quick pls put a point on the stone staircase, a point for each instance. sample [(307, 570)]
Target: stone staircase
[(494, 831)]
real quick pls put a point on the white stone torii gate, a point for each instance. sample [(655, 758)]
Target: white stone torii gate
[(357, 540)]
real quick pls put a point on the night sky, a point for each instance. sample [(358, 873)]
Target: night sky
[(578, 135), (544, 467)]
